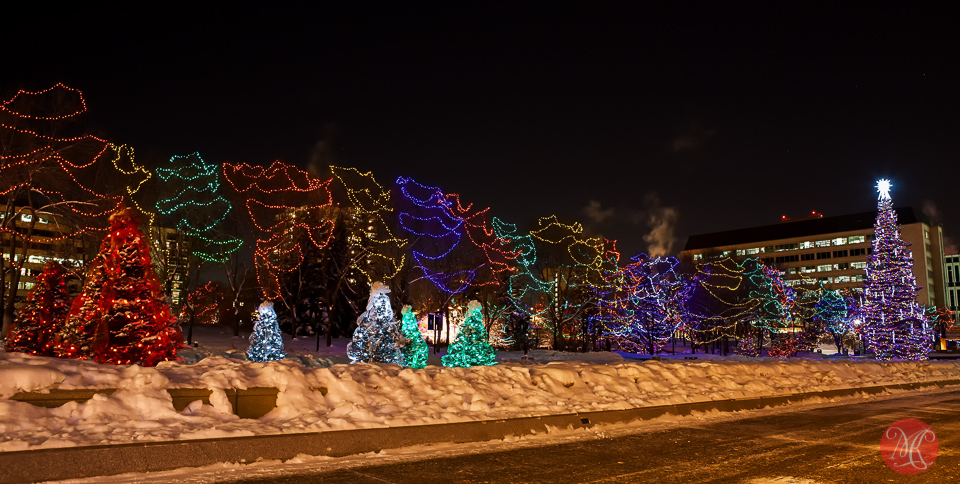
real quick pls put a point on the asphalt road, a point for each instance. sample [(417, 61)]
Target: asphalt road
[(827, 444)]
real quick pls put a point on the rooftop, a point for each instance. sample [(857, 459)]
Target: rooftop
[(800, 228)]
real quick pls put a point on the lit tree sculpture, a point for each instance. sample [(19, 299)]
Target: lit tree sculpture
[(121, 317), (832, 313), (40, 318), (894, 323), (377, 338), (471, 347), (651, 306), (415, 352), (266, 344)]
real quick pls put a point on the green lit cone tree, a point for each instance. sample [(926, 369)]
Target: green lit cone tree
[(471, 347), (415, 351)]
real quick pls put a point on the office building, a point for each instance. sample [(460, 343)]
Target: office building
[(952, 268), (833, 250)]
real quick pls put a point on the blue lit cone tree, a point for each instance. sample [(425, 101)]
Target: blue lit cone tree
[(894, 323), (471, 347), (266, 344), (377, 338), (415, 351)]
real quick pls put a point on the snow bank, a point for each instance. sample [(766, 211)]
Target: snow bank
[(372, 395)]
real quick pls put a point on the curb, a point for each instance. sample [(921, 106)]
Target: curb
[(104, 460)]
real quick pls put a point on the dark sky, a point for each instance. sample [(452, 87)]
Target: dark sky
[(722, 116)]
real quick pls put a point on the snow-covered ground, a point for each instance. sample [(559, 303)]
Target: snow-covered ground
[(319, 391)]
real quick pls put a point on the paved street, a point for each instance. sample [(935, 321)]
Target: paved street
[(829, 444)]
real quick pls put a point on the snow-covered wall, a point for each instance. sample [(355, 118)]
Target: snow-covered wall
[(367, 395)]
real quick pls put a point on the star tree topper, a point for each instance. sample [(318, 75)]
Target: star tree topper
[(883, 186)]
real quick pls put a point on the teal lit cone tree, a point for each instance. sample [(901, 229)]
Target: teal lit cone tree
[(377, 338), (40, 318), (415, 351), (266, 343), (471, 347)]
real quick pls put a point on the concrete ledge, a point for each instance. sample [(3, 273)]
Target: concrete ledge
[(103, 460), (57, 397), (246, 403)]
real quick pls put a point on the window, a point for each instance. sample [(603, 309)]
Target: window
[(840, 279), (839, 253), (26, 217), (753, 251), (697, 256), (823, 255), (856, 239), (841, 267), (856, 278), (823, 243), (858, 265), (809, 256), (824, 268), (826, 280), (840, 241), (768, 249), (808, 269), (791, 270), (858, 252), (807, 245), (741, 252)]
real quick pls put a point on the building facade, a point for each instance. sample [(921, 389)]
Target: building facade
[(832, 250), (952, 268), (170, 255), (51, 238)]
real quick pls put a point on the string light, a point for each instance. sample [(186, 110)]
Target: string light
[(371, 202), (285, 227), (198, 207), (895, 325)]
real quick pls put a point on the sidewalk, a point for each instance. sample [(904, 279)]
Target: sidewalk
[(90, 461)]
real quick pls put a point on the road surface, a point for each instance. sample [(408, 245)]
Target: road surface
[(820, 443)]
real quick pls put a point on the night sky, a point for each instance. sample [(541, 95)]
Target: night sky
[(703, 117)]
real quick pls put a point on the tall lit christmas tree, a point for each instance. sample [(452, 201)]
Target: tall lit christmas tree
[(377, 338), (894, 323), (415, 351), (121, 317), (266, 343), (471, 347), (41, 316)]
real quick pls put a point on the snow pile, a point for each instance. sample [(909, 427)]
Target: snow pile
[(372, 395)]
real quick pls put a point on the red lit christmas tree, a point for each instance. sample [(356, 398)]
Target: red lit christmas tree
[(44, 311), (121, 316)]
